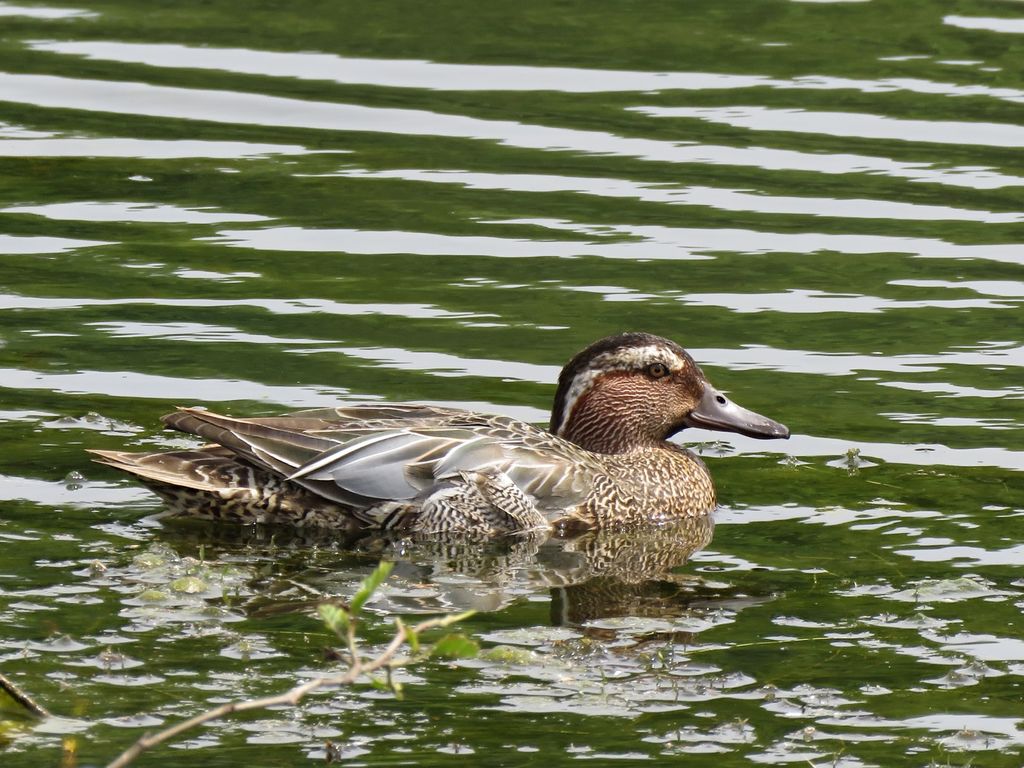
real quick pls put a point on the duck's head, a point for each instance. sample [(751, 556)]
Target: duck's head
[(637, 389)]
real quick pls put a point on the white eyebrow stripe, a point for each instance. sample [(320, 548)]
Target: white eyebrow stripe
[(638, 357)]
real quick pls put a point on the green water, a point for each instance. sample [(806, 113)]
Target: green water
[(258, 207)]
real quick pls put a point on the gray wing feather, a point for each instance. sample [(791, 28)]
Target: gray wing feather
[(322, 465), (362, 454), (400, 464), (471, 455), (376, 467)]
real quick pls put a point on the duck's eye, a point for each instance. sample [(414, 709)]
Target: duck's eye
[(657, 370)]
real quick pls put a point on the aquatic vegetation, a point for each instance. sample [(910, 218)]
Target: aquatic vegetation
[(342, 619)]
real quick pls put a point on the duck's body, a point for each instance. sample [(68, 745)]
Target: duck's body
[(606, 460)]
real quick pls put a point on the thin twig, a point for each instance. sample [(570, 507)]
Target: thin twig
[(357, 668), (350, 642), (21, 698)]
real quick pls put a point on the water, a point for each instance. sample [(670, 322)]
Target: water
[(259, 209)]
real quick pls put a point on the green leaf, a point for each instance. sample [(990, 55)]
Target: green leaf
[(388, 684), (454, 618), (396, 687), (411, 636), (336, 619), (455, 646), (369, 586), (189, 585)]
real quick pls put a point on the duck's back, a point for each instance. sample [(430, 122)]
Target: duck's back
[(381, 465)]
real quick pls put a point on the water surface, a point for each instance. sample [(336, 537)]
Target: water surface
[(259, 208)]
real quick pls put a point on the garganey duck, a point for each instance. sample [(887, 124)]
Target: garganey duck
[(606, 460)]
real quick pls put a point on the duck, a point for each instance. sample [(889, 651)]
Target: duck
[(605, 460)]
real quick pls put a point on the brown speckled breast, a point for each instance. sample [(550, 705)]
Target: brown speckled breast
[(652, 485)]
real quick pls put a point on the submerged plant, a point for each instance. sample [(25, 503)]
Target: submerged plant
[(343, 620)]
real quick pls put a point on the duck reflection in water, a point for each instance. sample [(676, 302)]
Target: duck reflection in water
[(597, 574), (589, 577)]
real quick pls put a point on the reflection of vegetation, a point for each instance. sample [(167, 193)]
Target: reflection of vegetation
[(343, 620)]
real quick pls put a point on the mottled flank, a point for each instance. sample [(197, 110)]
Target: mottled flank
[(432, 470), (207, 484)]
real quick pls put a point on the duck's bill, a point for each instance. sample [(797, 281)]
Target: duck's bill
[(716, 411)]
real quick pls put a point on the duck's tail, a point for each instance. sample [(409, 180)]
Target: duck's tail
[(210, 483)]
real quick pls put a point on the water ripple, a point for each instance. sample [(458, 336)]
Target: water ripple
[(298, 306), (987, 23), (150, 149), (24, 244), (690, 240), (431, 75), (850, 124), (41, 12), (134, 385), (148, 213), (798, 301), (366, 242), (712, 197), (275, 111)]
